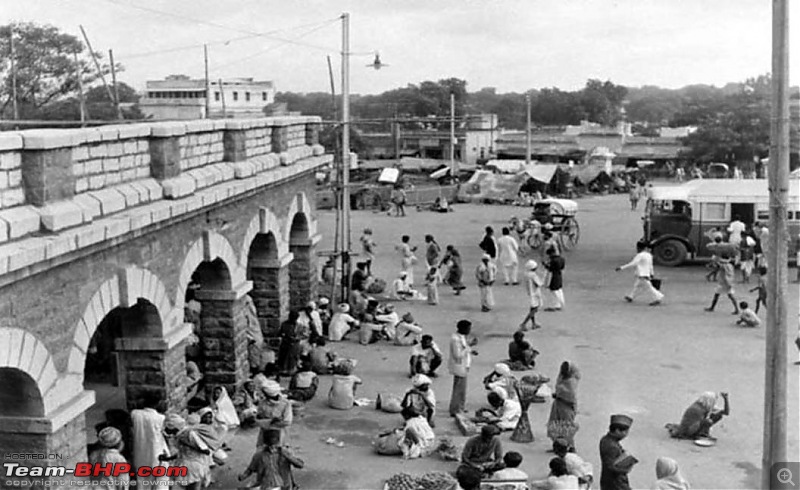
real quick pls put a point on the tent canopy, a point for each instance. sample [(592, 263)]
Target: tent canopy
[(540, 172)]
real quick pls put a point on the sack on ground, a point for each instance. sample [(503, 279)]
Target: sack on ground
[(388, 403), (467, 426), (388, 443)]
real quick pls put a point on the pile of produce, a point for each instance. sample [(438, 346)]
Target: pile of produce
[(434, 480)]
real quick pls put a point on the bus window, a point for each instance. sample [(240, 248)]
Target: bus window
[(714, 212), (763, 215)]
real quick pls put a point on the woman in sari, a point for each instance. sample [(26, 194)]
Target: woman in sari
[(225, 417), (698, 419), (565, 405), (669, 476), (191, 452), (452, 259)]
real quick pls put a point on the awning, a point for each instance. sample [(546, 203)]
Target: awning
[(389, 176), (540, 172), (442, 172)]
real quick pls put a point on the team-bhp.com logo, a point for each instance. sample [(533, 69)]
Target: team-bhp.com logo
[(17, 475)]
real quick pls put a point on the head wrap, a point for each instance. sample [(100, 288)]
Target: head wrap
[(203, 411), (271, 388), (110, 437), (174, 421), (486, 257), (531, 265), (323, 301), (669, 475), (502, 369), (402, 275), (707, 400), (344, 308), (420, 380), (408, 318)]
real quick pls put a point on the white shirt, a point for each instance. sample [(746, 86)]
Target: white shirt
[(735, 229), (643, 262), (510, 413), (508, 250)]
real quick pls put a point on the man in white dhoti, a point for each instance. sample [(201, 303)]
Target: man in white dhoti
[(148, 438), (485, 273), (508, 257), (643, 263)]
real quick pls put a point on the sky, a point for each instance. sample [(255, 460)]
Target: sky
[(512, 45)]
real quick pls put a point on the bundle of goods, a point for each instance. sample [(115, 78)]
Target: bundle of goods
[(448, 450), (434, 480)]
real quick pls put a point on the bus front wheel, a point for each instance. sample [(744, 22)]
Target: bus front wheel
[(670, 253)]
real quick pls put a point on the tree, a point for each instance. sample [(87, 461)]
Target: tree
[(601, 102)]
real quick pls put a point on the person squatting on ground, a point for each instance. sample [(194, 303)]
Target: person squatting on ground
[(576, 466), (533, 286), (513, 477), (501, 377), (483, 452), (486, 273), (508, 257), (503, 411), (617, 463), (747, 317), (407, 331), (425, 357), (521, 355), (643, 264), (342, 395), (421, 397), (701, 415), (559, 478), (461, 353), (724, 284)]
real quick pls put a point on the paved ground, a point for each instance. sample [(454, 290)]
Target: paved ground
[(649, 362)]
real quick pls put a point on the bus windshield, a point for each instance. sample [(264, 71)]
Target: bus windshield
[(669, 208)]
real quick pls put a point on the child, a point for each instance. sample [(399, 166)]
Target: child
[(511, 472), (725, 283), (761, 288), (272, 464), (533, 285), (748, 317), (368, 246), (432, 280)]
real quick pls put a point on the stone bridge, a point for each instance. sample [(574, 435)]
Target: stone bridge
[(106, 228)]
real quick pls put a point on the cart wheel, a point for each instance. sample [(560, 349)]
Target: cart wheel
[(535, 240), (570, 233)]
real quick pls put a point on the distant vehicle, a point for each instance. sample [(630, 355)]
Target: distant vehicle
[(718, 171), (678, 219)]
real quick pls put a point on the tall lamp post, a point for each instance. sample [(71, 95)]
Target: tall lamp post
[(345, 234)]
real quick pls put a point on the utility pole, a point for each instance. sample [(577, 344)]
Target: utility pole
[(81, 98), (222, 96), (13, 75), (345, 155), (396, 134), (97, 64), (528, 128), (775, 400), (453, 165), (114, 82), (208, 83)]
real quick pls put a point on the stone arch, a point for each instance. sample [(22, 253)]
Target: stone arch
[(211, 246), (27, 367), (123, 290), (300, 204), (264, 222), (300, 231)]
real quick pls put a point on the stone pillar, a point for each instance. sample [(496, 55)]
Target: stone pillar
[(312, 134), (280, 139), (154, 365), (223, 333), (47, 166), (303, 271), (61, 435), (234, 141), (271, 292), (165, 150)]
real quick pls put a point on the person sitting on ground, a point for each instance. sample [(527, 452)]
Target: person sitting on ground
[(359, 279), (304, 383), (421, 397), (747, 317), (425, 357), (342, 395), (418, 439), (341, 323), (407, 331), (321, 358), (698, 419), (468, 478), (315, 319), (324, 311), (669, 476), (504, 412), (388, 320), (575, 464), (225, 417), (501, 377), (483, 452), (521, 355), (559, 478), (245, 401), (518, 479)]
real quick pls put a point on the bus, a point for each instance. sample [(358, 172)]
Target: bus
[(678, 219)]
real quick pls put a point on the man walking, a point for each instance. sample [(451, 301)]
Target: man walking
[(458, 364), (508, 256), (725, 283), (616, 462), (643, 262), (489, 244), (486, 273)]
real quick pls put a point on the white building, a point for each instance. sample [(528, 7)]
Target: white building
[(179, 97)]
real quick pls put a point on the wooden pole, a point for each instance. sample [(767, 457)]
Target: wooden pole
[(208, 83), (81, 98), (775, 413), (13, 75), (527, 128), (222, 96), (114, 83), (97, 64), (346, 155), (453, 165)]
